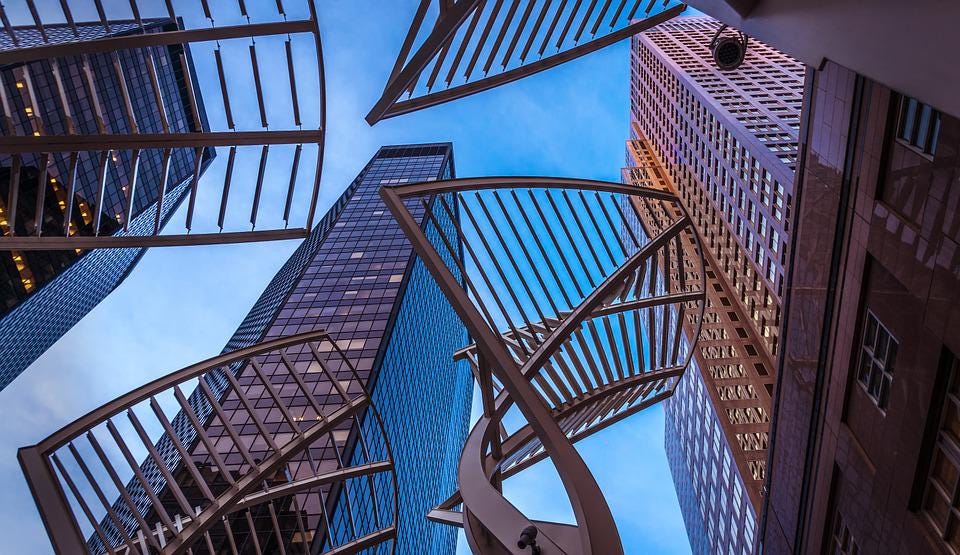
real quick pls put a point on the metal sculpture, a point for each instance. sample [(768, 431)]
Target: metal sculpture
[(594, 306), (489, 43), (238, 50), (231, 491)]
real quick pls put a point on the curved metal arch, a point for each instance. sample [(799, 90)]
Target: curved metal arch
[(221, 479), (539, 365), (147, 142), (465, 31)]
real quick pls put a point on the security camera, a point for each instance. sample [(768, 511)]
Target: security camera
[(528, 538), (728, 50)]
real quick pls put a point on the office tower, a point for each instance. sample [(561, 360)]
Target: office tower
[(728, 144), (44, 293), (357, 278), (864, 453)]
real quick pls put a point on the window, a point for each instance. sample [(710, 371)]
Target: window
[(878, 355), (940, 501), (919, 125), (842, 541)]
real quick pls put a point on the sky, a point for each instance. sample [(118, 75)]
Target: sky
[(181, 304)]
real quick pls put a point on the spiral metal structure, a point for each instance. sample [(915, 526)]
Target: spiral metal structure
[(89, 52), (232, 489), (456, 48), (578, 311)]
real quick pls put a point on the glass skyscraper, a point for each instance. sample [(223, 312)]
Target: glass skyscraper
[(728, 143), (357, 277), (44, 293)]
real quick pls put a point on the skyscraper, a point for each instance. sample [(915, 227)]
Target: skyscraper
[(357, 278), (728, 145), (44, 293)]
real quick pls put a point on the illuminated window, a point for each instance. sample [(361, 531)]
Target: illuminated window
[(358, 254), (878, 355)]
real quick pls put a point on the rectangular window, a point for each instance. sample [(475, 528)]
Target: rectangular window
[(878, 355), (919, 125), (940, 501), (842, 541)]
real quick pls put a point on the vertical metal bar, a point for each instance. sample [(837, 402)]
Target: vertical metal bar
[(264, 152), (7, 114), (194, 185), (586, 19), (84, 506), (275, 395), (13, 193), (276, 527), (7, 27), (115, 478), (164, 177), (483, 38), (225, 420), (44, 162), (293, 83), (158, 507), (172, 484), (62, 95), (103, 16), (157, 92), (94, 97), (98, 491), (616, 14), (556, 244), (131, 187), (529, 259), (37, 21), (505, 26), (31, 93), (258, 85), (223, 88), (125, 93), (228, 177), (101, 186), (188, 410), (603, 12), (253, 534), (517, 33), (185, 457), (477, 14), (293, 182), (553, 27), (191, 93), (71, 185), (251, 411)]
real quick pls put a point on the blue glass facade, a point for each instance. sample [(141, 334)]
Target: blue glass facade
[(44, 293), (357, 278)]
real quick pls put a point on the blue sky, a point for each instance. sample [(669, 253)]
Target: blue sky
[(181, 304)]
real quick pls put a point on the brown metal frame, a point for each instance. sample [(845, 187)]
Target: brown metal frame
[(450, 46), (100, 145), (541, 367), (57, 494)]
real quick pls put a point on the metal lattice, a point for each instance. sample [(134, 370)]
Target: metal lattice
[(475, 45), (578, 311), (281, 134), (230, 490)]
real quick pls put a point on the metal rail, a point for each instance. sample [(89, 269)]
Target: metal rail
[(488, 43), (233, 483), (578, 314), (146, 149)]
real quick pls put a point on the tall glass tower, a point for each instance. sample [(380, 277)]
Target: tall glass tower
[(44, 293), (357, 277)]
